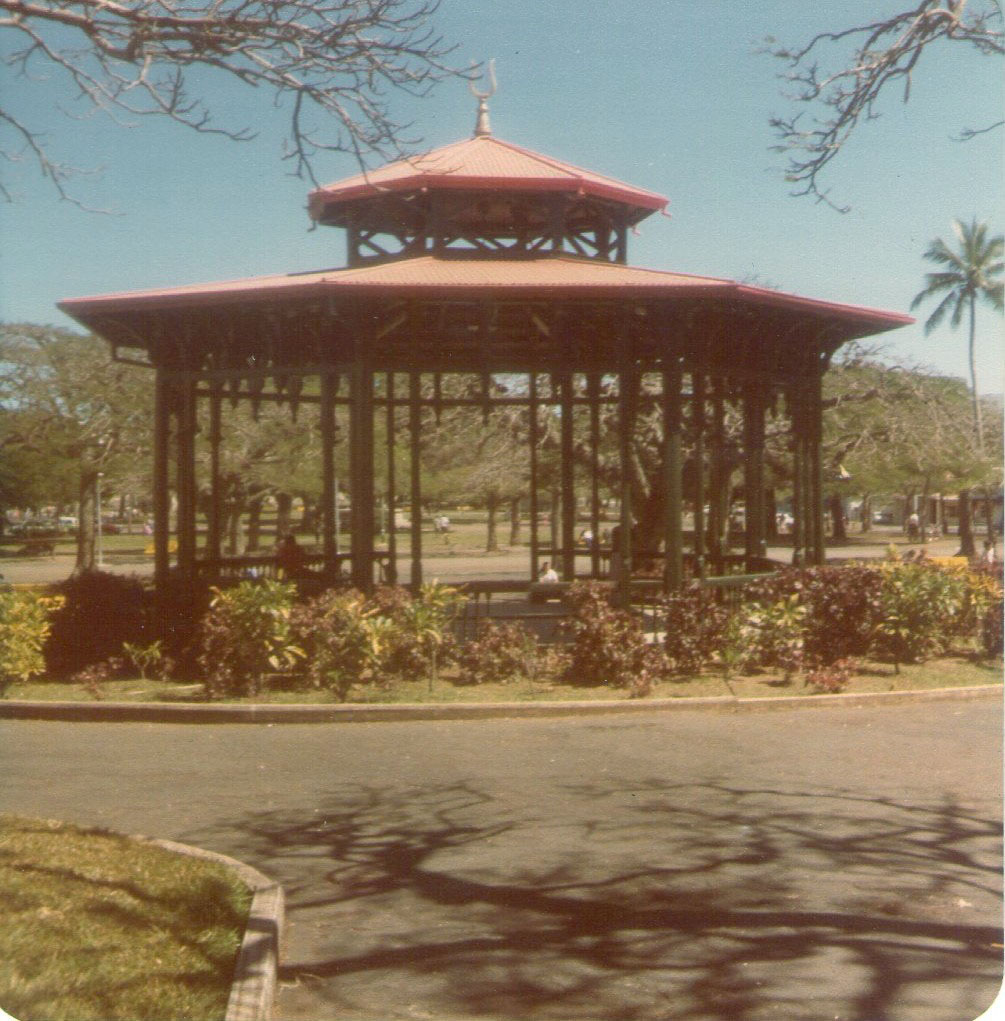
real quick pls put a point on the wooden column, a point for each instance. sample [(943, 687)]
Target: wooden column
[(673, 504), (392, 535), (185, 472), (532, 432), (361, 472), (163, 393), (753, 472), (698, 425), (593, 389), (796, 418), (329, 535), (816, 548), (627, 393), (568, 480), (717, 477), (415, 436), (214, 530)]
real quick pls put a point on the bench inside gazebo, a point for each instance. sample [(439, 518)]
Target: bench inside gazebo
[(476, 260)]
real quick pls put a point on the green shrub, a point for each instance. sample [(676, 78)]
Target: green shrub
[(774, 633), (921, 606), (420, 638), (25, 623), (341, 636), (246, 634), (100, 611), (609, 645), (499, 652)]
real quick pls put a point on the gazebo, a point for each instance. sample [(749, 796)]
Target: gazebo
[(484, 258)]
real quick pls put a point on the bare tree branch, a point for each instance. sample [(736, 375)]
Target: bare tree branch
[(338, 59), (871, 59)]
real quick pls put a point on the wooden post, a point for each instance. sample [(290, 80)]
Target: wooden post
[(392, 535), (717, 479), (817, 549), (415, 435), (673, 534), (627, 387), (163, 392), (568, 480), (329, 534), (185, 472), (753, 472), (213, 532), (593, 388), (698, 424), (796, 417), (361, 473), (532, 404)]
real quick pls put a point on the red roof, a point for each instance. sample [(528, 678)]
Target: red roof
[(483, 162), (431, 277)]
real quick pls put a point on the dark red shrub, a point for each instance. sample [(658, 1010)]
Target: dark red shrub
[(100, 612)]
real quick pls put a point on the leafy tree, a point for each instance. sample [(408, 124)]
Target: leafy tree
[(337, 59), (840, 76), (73, 404), (971, 274)]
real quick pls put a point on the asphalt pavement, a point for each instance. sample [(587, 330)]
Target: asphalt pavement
[(810, 863)]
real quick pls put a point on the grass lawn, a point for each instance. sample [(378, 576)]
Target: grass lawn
[(961, 670), (94, 925)]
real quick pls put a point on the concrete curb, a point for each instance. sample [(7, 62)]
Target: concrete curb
[(253, 992), (167, 712)]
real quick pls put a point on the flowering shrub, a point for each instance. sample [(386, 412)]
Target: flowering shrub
[(498, 652), (25, 623), (245, 634)]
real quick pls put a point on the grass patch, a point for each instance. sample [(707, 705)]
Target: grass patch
[(94, 925), (962, 670)]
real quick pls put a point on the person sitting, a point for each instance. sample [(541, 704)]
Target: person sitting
[(290, 557), (548, 574)]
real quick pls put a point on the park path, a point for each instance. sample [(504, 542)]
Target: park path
[(797, 864)]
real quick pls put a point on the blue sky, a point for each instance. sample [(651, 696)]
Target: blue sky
[(670, 95)]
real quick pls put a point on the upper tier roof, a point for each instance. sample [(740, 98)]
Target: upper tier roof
[(482, 163)]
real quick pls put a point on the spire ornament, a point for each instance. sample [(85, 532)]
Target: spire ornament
[(482, 125)]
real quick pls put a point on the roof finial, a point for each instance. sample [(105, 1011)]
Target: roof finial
[(482, 126)]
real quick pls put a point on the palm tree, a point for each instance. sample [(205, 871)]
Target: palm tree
[(971, 273)]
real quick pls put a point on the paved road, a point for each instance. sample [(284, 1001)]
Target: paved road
[(800, 864)]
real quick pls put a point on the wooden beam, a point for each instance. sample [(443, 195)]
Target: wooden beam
[(755, 526), (361, 476), (698, 425), (532, 431), (415, 444), (163, 394), (329, 533), (392, 535), (593, 394), (214, 524), (185, 473), (568, 482), (673, 533)]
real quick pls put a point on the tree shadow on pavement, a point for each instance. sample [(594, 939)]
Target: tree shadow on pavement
[(633, 901)]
